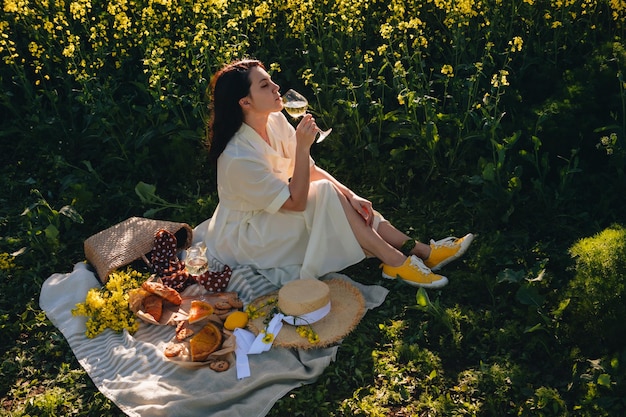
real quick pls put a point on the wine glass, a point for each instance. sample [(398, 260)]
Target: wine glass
[(295, 105), (196, 261)]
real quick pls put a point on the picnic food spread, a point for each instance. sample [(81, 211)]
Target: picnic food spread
[(200, 338), (206, 318), (169, 296)]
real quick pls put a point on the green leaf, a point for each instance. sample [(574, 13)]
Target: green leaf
[(558, 312), (529, 296), (147, 193), (511, 276), (604, 380), (422, 298), (71, 213), (536, 327), (150, 213), (52, 232), (489, 172)]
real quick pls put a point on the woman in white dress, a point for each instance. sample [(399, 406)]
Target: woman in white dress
[(278, 211)]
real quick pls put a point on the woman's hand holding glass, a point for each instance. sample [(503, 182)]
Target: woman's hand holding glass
[(295, 105), (306, 130)]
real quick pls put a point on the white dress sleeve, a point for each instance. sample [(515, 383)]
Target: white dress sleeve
[(253, 176)]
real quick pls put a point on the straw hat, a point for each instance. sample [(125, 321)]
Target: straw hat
[(125, 242), (347, 307)]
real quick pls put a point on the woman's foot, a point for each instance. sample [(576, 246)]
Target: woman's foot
[(414, 272), (444, 251)]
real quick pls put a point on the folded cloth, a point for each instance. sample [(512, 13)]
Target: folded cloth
[(132, 371)]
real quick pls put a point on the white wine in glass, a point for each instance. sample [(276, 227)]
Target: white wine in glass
[(295, 105)]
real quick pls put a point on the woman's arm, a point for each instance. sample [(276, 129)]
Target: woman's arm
[(301, 178), (360, 205)]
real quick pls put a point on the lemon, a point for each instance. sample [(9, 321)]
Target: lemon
[(236, 320)]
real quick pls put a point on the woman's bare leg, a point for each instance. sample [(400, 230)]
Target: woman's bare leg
[(369, 239), (396, 238)]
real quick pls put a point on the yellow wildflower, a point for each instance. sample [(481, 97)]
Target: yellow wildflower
[(398, 69), (448, 70), (78, 10), (35, 49), (10, 6), (275, 67), (7, 261), (263, 11), (268, 338), (386, 30), (69, 50), (308, 333), (516, 44), (107, 307), (301, 330), (619, 9), (500, 79)]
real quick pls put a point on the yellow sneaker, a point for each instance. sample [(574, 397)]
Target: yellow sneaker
[(414, 272), (444, 251)]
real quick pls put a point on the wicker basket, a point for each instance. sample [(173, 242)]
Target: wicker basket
[(128, 241)]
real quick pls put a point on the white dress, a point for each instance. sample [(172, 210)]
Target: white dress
[(248, 226)]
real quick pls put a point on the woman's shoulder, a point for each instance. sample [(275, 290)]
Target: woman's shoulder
[(245, 145)]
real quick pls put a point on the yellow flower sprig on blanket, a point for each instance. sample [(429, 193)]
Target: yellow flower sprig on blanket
[(107, 307), (308, 333), (254, 312)]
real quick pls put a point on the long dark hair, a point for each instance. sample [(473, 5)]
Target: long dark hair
[(229, 85)]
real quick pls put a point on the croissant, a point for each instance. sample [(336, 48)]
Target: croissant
[(163, 291), (153, 305)]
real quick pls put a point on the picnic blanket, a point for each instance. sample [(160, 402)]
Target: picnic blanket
[(132, 371)]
